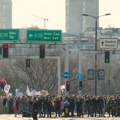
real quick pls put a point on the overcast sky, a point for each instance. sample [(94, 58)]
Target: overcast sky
[(24, 12)]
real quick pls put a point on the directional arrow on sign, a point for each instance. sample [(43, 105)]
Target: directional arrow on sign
[(66, 75), (30, 35), (102, 43)]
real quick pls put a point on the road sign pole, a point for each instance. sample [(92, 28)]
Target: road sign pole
[(59, 75), (66, 67), (79, 90)]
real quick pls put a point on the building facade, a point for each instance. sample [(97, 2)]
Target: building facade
[(75, 22), (5, 14), (90, 7), (74, 19)]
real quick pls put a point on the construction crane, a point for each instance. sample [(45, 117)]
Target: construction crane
[(45, 19)]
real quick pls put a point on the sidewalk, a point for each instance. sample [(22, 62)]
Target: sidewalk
[(12, 117), (19, 117)]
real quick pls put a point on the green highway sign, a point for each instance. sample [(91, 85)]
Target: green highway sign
[(9, 34), (44, 35)]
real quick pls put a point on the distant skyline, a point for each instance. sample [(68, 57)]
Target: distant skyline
[(24, 12)]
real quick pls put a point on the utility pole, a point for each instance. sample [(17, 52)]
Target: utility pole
[(96, 27), (45, 19)]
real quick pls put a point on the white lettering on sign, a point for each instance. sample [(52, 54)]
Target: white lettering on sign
[(3, 35), (47, 34), (47, 38), (38, 36), (12, 33), (56, 34), (11, 37), (55, 38)]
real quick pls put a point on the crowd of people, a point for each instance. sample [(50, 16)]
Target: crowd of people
[(54, 106)]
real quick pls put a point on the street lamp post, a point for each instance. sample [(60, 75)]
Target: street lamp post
[(96, 25)]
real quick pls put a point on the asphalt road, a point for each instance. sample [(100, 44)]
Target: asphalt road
[(19, 117)]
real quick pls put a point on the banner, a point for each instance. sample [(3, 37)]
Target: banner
[(6, 89), (101, 74), (18, 93), (90, 74)]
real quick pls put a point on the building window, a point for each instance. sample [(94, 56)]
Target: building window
[(79, 47)]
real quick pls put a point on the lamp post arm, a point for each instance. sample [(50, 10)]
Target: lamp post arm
[(96, 17)]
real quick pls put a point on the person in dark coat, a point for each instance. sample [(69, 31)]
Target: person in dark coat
[(57, 107), (40, 106), (5, 105), (81, 106), (78, 106), (118, 106), (114, 106), (72, 106), (49, 107), (109, 106), (34, 109), (45, 107), (10, 104), (95, 105), (89, 104), (100, 106)]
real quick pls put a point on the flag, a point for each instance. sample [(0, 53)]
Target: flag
[(28, 91), (0, 83), (4, 85), (4, 79), (3, 82), (33, 93)]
